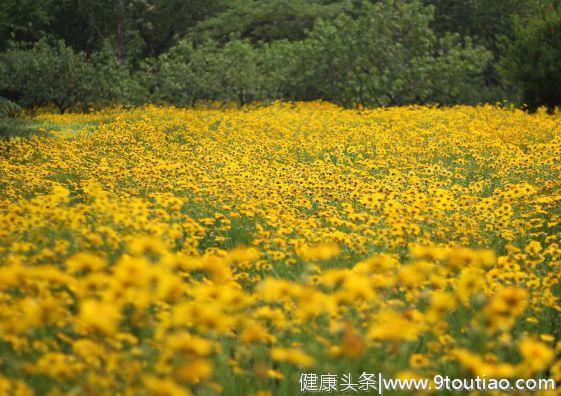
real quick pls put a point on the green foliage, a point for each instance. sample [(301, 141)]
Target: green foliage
[(111, 82), (54, 74), (24, 20), (8, 108), (485, 22), (280, 64), (160, 24), (135, 28), (482, 20), (266, 21), (531, 61), (457, 73), (388, 56), (235, 71), (169, 77), (182, 75), (45, 74), (229, 73)]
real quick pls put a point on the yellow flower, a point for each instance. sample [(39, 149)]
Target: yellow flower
[(244, 254), (547, 338), (534, 247), (471, 281), (91, 352), (164, 387), (556, 371), (461, 257), (255, 332), (196, 371), (537, 355), (391, 325), (441, 303), (426, 252), (273, 290), (505, 306), (274, 374), (100, 316), (418, 360), (319, 252), (292, 356), (146, 245), (85, 262), (189, 344), (168, 244)]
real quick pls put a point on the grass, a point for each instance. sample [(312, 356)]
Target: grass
[(21, 127)]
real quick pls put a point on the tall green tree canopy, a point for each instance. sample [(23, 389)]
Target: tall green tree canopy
[(532, 61), (137, 28), (267, 21), (388, 56)]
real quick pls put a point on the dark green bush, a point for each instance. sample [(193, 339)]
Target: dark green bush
[(8, 108)]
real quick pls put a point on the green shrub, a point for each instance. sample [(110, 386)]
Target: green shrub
[(8, 108)]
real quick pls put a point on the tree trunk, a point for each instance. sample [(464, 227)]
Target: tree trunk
[(61, 108)]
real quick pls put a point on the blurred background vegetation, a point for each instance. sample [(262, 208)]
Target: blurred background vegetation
[(85, 54)]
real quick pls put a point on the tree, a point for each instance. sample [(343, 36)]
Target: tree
[(111, 82), (482, 20), (237, 73), (135, 28), (531, 61), (268, 21), (281, 64), (211, 72), (54, 74), (162, 23), (44, 74), (485, 22), (24, 20), (182, 75), (389, 56)]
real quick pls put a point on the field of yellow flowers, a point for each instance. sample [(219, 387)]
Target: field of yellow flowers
[(160, 251)]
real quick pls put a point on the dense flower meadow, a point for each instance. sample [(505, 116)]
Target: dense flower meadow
[(160, 251)]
